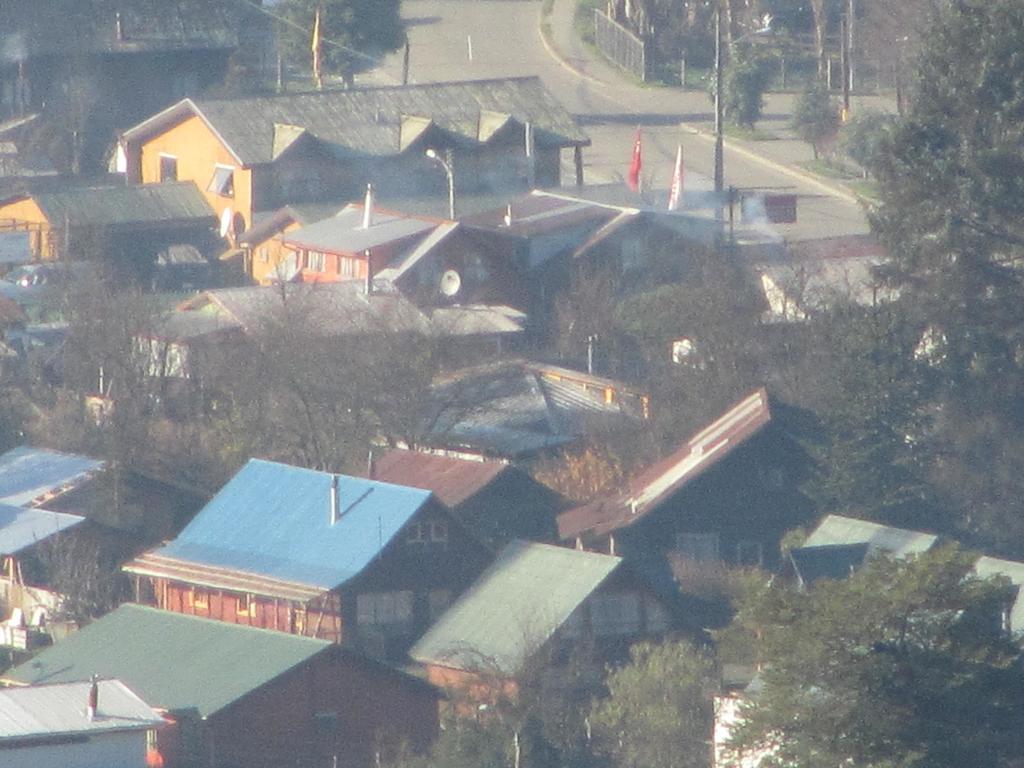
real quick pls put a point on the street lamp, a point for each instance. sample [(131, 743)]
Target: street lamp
[(766, 27), (446, 163)]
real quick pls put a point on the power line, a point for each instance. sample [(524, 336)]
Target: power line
[(253, 5)]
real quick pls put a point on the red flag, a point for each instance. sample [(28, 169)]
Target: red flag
[(675, 196), (634, 166)]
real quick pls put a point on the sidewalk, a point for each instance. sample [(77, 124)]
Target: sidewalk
[(785, 152)]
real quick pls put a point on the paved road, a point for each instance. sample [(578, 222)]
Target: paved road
[(461, 39)]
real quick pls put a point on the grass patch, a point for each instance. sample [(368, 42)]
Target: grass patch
[(748, 134), (830, 169), (583, 19), (865, 188)]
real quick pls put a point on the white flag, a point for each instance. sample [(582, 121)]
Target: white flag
[(675, 195)]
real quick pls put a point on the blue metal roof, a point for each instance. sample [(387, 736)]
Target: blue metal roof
[(21, 528), (28, 475), (274, 520)]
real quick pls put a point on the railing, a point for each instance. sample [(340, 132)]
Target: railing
[(620, 46)]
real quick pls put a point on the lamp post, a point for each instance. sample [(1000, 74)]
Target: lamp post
[(446, 163)]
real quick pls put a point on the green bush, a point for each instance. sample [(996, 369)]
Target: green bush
[(861, 136)]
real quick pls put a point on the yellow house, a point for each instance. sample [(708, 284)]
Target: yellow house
[(255, 155), (138, 219)]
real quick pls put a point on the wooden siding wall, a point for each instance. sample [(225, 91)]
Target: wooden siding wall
[(321, 618), (198, 152), (374, 710), (25, 214)]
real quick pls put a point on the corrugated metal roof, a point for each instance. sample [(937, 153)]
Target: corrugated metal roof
[(451, 480), (665, 478), (57, 709), (171, 660), (21, 528), (517, 407), (513, 608), (119, 205), (538, 214), (426, 246), (29, 476), (327, 309), (274, 520), (367, 121), (477, 319), (987, 567), (344, 233), (898, 542)]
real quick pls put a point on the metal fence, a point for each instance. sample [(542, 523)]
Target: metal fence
[(620, 46)]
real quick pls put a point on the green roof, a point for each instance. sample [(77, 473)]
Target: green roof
[(513, 608), (172, 661), (120, 205)]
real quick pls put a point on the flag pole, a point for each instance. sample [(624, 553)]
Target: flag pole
[(316, 47)]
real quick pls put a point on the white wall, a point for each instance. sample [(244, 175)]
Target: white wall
[(111, 750)]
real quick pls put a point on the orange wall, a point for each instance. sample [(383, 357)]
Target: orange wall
[(198, 151), (268, 254), (25, 211)]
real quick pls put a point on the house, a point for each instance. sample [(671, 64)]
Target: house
[(535, 597), (727, 495), (260, 246), (358, 562), (24, 588), (495, 499), (81, 724), (258, 154), (518, 408), (96, 67), (127, 226), (245, 696), (839, 545), (1013, 571)]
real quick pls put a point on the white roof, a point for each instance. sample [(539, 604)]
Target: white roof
[(21, 528), (29, 476), (60, 708), (898, 542)]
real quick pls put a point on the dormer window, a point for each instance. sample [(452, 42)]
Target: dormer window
[(223, 181)]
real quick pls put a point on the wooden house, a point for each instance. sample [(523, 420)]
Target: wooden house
[(87, 725), (240, 696), (537, 598), (495, 499), (258, 154), (358, 562), (125, 226), (727, 495), (98, 67)]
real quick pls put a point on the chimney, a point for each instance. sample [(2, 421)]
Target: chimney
[(94, 699), (335, 500), (118, 27), (368, 207), (370, 468), (368, 288)]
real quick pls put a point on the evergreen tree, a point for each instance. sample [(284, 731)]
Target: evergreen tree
[(951, 179), (354, 32), (815, 116), (903, 665)]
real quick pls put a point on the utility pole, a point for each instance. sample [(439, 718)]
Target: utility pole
[(719, 160), (844, 61)]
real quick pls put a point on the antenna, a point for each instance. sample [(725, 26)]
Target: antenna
[(450, 283)]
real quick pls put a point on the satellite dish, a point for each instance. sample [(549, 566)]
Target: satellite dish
[(450, 283), (227, 222)]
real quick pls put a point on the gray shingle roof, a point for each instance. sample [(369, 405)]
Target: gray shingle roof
[(367, 122), (126, 205), (65, 27), (514, 607)]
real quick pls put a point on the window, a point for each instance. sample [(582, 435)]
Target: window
[(246, 606), (437, 601), (416, 534), (348, 267), (656, 615), (698, 547), (199, 599), (615, 614), (325, 723), (439, 531), (264, 255), (384, 608), (168, 168), (315, 261), (749, 553), (427, 532), (223, 181)]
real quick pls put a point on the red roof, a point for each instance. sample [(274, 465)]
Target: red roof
[(662, 480), (451, 480)]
